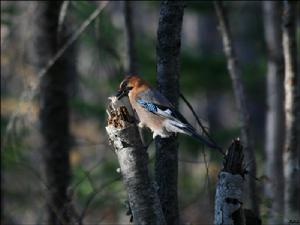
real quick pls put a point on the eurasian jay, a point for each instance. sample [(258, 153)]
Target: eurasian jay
[(155, 111)]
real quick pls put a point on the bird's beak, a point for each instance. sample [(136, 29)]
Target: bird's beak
[(123, 92)]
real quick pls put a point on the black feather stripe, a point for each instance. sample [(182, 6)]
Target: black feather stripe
[(191, 131)]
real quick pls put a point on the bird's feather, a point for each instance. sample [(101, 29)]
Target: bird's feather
[(175, 122), (154, 96)]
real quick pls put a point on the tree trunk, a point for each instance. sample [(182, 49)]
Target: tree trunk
[(238, 87), (229, 194), (131, 60), (133, 159), (274, 188), (292, 107), (168, 49), (54, 110)]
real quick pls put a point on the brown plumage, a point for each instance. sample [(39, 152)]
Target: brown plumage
[(155, 111)]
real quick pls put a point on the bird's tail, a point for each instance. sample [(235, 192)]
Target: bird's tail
[(189, 130)]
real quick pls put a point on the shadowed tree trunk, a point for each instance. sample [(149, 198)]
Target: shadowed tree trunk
[(54, 110), (133, 160), (239, 93), (274, 187), (168, 49), (292, 107), (131, 60)]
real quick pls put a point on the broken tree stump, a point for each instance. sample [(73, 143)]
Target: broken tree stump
[(229, 193), (133, 159)]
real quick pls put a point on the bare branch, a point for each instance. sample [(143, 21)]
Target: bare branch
[(204, 130), (92, 196), (62, 15), (28, 95), (238, 87)]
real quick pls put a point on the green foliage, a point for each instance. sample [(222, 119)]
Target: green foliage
[(86, 108), (96, 181), (13, 147), (203, 73), (200, 6)]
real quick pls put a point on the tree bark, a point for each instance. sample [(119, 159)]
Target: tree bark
[(274, 187), (131, 61), (133, 159), (238, 87), (229, 194), (292, 107), (54, 110), (168, 50)]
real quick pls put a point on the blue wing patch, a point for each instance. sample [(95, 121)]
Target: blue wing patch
[(147, 105)]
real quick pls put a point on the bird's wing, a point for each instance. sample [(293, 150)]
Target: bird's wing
[(168, 112), (175, 119), (154, 102), (154, 96)]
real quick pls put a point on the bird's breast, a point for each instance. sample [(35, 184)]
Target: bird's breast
[(151, 120)]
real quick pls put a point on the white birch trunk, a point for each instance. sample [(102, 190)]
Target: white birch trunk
[(292, 104), (133, 159), (230, 186)]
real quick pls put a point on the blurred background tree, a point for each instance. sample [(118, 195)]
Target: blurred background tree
[(96, 191), (274, 128)]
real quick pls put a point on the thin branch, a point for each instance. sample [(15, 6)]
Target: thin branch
[(200, 124), (92, 196), (73, 38), (62, 16), (87, 173), (27, 95), (44, 183), (240, 97)]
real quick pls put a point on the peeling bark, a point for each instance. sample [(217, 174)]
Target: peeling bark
[(240, 97), (274, 187), (292, 107), (133, 159), (168, 50)]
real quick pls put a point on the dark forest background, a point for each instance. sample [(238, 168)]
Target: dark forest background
[(118, 39)]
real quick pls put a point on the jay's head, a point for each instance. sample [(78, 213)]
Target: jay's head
[(130, 83)]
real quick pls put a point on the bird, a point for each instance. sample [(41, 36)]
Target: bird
[(155, 111)]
